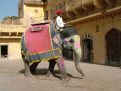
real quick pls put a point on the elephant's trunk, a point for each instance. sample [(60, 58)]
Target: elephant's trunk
[(78, 53), (77, 61), (74, 41)]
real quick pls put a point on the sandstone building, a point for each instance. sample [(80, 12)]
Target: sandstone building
[(98, 22), (12, 27)]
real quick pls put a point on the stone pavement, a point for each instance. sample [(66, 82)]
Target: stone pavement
[(98, 78)]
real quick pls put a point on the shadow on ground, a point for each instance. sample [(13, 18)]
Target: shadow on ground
[(43, 71)]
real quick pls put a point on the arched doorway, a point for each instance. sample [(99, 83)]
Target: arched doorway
[(87, 48), (113, 46)]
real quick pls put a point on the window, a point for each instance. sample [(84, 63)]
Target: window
[(36, 11), (3, 51)]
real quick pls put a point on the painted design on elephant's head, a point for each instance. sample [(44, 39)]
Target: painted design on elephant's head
[(76, 41), (73, 41), (77, 44)]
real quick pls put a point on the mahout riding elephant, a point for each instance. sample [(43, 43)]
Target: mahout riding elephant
[(69, 37)]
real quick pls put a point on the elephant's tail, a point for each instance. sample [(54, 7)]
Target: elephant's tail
[(23, 47)]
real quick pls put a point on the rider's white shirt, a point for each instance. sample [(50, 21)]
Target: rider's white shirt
[(59, 22)]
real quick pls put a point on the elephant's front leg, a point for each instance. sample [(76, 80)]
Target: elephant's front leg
[(61, 66), (27, 70), (33, 67)]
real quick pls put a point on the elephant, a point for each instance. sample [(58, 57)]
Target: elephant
[(70, 38)]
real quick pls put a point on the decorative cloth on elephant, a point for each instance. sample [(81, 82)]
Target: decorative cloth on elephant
[(38, 45)]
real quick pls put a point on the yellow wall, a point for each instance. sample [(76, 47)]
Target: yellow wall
[(13, 42), (14, 50), (36, 12), (29, 11), (99, 43)]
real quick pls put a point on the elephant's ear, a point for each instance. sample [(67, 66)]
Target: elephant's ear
[(57, 40)]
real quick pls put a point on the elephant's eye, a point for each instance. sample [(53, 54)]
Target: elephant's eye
[(71, 41)]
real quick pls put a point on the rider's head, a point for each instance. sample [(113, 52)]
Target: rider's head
[(59, 12)]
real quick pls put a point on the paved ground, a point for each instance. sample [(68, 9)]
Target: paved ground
[(98, 78)]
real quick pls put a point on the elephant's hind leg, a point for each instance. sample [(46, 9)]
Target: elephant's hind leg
[(26, 66), (27, 70)]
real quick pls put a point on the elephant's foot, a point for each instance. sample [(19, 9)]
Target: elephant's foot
[(33, 67), (65, 78), (83, 75), (27, 74), (65, 81), (51, 68), (49, 74), (27, 69), (33, 71)]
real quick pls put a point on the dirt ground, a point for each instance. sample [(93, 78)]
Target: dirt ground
[(98, 78)]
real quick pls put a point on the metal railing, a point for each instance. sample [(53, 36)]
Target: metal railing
[(114, 60)]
